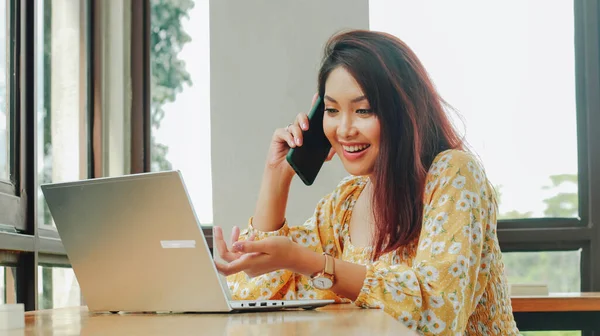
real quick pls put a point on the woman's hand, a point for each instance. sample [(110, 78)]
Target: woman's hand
[(288, 137), (280, 253), (224, 252), (263, 256)]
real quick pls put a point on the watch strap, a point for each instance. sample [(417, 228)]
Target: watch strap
[(329, 264)]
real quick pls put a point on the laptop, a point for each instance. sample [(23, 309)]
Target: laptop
[(135, 245)]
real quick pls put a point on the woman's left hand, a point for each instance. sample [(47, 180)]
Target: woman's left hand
[(262, 256)]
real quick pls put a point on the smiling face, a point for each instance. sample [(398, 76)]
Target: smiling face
[(349, 123)]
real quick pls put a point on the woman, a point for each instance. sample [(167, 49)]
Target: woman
[(411, 231)]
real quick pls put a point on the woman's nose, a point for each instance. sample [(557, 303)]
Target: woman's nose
[(346, 128)]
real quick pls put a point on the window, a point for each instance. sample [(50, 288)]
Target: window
[(499, 77), (61, 113), (520, 78), (8, 289), (559, 270), (181, 97), (9, 192), (4, 110), (57, 288), (44, 79), (69, 80)]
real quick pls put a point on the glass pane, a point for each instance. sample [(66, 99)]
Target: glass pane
[(8, 284), (57, 288), (499, 77), (180, 97), (4, 112), (61, 118), (559, 270)]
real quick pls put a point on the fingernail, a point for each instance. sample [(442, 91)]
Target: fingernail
[(237, 247), (303, 126), (298, 141)]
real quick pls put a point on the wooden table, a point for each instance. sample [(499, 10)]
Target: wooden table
[(574, 311), (340, 319), (558, 311)]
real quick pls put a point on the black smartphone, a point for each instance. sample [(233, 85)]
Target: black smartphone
[(308, 159)]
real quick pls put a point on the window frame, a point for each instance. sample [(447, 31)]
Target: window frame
[(141, 131), (37, 245), (568, 234), (10, 195), (33, 245)]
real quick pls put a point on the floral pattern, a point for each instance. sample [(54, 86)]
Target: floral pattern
[(448, 281)]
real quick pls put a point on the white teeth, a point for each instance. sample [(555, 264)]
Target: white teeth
[(354, 148)]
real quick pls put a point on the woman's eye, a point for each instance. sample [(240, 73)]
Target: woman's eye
[(364, 111), (330, 110)]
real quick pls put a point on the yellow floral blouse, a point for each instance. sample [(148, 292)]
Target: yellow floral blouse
[(449, 281)]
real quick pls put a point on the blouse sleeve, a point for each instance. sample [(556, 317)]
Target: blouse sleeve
[(441, 289), (318, 233)]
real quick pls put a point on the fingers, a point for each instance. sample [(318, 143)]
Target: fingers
[(221, 268), (292, 134), (331, 154), (227, 269), (224, 268), (302, 121), (244, 263), (235, 234), (282, 135), (222, 249), (259, 246), (295, 130)]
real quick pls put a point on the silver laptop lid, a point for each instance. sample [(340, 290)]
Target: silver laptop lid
[(135, 244)]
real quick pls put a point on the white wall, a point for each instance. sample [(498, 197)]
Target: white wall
[(264, 58)]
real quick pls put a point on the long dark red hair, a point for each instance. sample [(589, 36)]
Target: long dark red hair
[(414, 127)]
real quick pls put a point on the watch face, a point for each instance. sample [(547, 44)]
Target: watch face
[(322, 283)]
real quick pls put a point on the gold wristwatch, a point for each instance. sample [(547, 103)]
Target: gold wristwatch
[(325, 279)]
